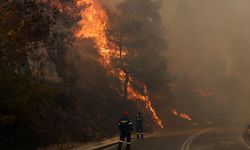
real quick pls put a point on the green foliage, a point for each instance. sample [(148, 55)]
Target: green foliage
[(23, 25), (30, 30), (137, 26), (27, 27)]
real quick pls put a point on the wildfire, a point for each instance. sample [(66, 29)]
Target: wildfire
[(174, 112), (185, 116), (181, 115), (144, 98), (93, 24)]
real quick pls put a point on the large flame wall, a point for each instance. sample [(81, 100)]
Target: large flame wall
[(93, 25)]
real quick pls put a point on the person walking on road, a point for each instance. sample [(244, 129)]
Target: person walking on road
[(126, 127), (139, 126)]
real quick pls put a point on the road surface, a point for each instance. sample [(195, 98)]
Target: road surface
[(205, 138)]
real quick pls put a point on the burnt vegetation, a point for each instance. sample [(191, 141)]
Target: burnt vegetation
[(52, 87)]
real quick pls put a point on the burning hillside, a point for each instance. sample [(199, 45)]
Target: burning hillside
[(181, 115), (95, 64), (93, 25)]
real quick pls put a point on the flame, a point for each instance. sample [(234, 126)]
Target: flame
[(185, 116), (93, 24), (174, 112), (181, 115), (144, 98)]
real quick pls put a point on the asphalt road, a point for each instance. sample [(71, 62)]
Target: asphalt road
[(193, 138)]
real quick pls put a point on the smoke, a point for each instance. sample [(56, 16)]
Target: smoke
[(209, 43)]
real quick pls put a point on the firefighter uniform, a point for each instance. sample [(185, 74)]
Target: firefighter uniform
[(125, 126), (139, 126)]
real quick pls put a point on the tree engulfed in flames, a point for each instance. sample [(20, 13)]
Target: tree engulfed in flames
[(93, 25), (181, 115)]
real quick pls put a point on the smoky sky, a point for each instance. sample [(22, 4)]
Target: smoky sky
[(209, 42)]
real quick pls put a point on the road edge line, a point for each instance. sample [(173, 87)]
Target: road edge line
[(189, 140)]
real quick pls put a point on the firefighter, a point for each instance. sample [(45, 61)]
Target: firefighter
[(125, 126), (139, 126)]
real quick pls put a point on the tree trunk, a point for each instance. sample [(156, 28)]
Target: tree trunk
[(126, 86), (120, 47), (125, 94)]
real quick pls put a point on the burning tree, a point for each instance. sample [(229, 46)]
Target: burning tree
[(124, 43), (120, 30), (136, 27)]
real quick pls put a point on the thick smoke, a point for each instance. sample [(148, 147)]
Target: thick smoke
[(209, 42)]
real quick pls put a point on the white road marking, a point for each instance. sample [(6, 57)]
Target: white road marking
[(188, 141)]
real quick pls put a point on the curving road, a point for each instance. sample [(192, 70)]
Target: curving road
[(198, 138)]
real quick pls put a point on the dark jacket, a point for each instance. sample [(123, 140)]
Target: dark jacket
[(139, 122), (125, 125)]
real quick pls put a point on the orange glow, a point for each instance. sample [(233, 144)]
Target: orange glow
[(133, 94), (174, 112), (185, 116), (181, 115), (93, 24)]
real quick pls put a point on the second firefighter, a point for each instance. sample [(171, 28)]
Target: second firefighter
[(139, 126)]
